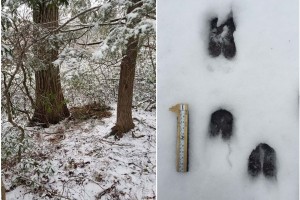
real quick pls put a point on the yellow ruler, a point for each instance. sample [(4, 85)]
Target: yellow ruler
[(182, 136)]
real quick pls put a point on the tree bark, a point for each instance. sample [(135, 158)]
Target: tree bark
[(3, 191), (50, 106), (125, 94)]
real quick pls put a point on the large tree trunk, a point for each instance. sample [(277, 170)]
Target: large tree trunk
[(124, 108), (50, 106)]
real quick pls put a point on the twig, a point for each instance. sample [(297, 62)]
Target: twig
[(91, 26), (89, 44), (113, 143), (144, 123), (71, 19), (139, 136), (108, 190), (98, 183)]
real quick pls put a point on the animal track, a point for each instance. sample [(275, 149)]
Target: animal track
[(221, 38), (221, 122), (263, 157)]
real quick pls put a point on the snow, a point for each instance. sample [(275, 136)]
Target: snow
[(85, 163), (131, 16), (99, 53), (259, 86), (106, 5)]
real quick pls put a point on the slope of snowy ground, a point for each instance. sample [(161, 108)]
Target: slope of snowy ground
[(259, 87), (88, 166)]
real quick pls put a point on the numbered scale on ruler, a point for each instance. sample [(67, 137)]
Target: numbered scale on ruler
[(182, 136)]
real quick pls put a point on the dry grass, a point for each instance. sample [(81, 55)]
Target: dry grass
[(94, 110)]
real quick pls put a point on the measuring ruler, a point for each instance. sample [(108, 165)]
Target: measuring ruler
[(182, 136)]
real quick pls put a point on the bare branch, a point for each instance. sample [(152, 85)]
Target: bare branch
[(89, 44), (91, 26), (69, 20), (79, 14)]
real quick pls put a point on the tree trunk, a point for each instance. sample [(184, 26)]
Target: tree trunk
[(3, 191), (124, 108), (50, 106)]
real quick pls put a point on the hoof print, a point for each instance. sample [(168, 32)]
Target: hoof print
[(221, 38), (269, 162), (263, 157), (221, 122), (214, 46), (254, 164)]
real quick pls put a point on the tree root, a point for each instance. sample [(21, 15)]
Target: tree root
[(118, 131)]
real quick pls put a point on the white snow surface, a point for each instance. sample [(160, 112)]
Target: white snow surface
[(128, 166), (259, 87)]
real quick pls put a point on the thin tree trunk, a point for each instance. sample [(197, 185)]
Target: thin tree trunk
[(50, 106), (124, 108), (3, 191)]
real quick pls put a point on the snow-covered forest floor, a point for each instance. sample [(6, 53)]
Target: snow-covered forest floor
[(74, 160)]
